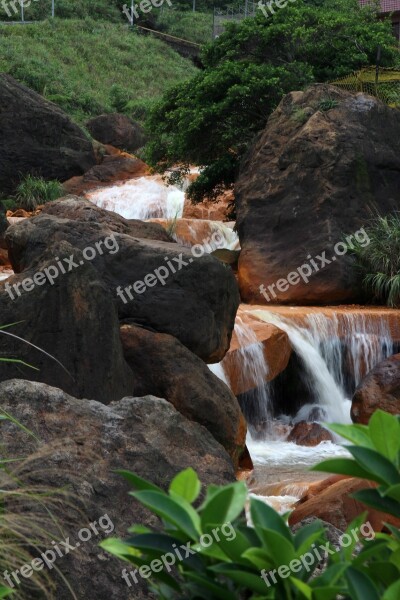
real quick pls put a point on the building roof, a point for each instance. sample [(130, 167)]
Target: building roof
[(387, 6)]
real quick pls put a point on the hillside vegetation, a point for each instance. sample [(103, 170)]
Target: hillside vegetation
[(89, 67)]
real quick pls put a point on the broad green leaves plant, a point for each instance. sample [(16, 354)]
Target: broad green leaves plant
[(231, 559)]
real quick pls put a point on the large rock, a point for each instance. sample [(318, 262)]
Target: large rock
[(74, 320), (196, 304), (312, 177), (114, 166), (117, 130), (379, 389), (275, 345), (80, 209), (81, 445), (334, 503), (37, 137), (163, 367)]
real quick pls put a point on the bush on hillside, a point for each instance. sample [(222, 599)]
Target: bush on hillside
[(210, 120), (379, 262), (237, 561)]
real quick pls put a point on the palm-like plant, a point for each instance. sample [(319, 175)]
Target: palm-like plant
[(379, 262)]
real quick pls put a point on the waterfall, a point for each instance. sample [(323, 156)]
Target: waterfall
[(251, 367), (141, 198), (336, 354)]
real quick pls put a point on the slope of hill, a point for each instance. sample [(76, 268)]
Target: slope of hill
[(88, 67)]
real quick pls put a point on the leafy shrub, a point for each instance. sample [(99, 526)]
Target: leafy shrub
[(33, 191), (232, 568), (379, 262)]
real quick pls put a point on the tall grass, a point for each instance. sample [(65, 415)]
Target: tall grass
[(86, 66), (379, 262), (33, 191)]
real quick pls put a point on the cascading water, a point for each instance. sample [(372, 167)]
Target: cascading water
[(141, 198), (335, 352), (255, 404)]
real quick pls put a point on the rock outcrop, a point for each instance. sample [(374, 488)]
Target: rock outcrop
[(193, 299), (38, 138), (332, 502), (75, 320), (325, 163), (79, 446), (163, 367), (117, 130), (379, 389), (309, 434)]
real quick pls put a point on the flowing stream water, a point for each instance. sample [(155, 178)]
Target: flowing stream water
[(142, 198), (334, 353)]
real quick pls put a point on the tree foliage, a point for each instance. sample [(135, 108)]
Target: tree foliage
[(210, 120)]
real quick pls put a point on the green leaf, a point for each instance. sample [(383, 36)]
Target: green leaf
[(266, 517), (218, 591), (169, 509), (385, 434), (372, 497), (119, 548), (343, 466), (232, 548), (244, 578), (138, 482), (393, 592), (186, 484), (360, 585), (307, 535), (224, 505), (305, 589), (260, 557), (358, 434), (381, 469), (393, 492)]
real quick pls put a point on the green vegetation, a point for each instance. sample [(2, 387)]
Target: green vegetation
[(230, 567), (210, 120), (89, 67), (379, 262), (196, 27), (33, 191)]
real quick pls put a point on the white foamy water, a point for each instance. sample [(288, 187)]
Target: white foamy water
[(219, 235), (5, 274), (141, 198)]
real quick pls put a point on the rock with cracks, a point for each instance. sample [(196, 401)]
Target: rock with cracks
[(327, 161), (80, 445)]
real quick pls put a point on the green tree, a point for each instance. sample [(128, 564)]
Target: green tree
[(210, 120)]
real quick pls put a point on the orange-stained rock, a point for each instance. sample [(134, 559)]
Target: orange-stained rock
[(4, 260), (277, 351), (219, 209), (334, 505), (208, 233), (379, 389), (309, 434), (115, 167)]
